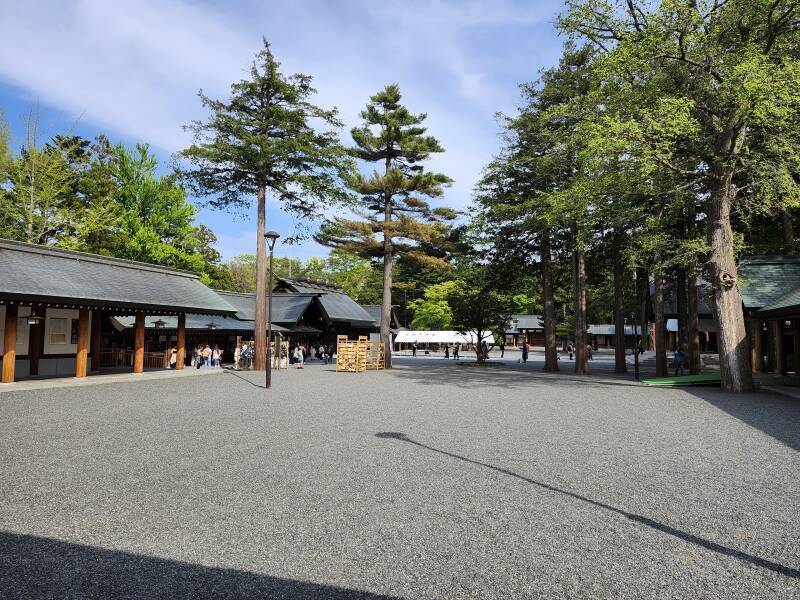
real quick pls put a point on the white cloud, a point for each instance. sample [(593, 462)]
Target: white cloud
[(133, 67)]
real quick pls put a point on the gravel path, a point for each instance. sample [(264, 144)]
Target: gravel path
[(430, 481)]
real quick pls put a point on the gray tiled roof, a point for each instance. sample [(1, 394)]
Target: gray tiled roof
[(764, 280), (44, 274), (524, 322), (789, 300), (337, 305), (193, 322), (286, 308)]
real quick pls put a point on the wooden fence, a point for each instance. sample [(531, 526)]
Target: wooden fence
[(359, 355)]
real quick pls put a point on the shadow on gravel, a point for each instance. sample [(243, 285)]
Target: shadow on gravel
[(687, 537), (33, 567), (247, 380), (777, 416), (504, 376)]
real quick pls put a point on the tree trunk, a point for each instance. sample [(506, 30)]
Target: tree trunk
[(734, 357), (550, 349), (260, 333), (693, 323), (579, 269), (788, 232), (643, 280), (682, 307), (386, 299), (619, 307), (658, 318)]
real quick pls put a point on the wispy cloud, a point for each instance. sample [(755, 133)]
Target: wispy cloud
[(133, 68)]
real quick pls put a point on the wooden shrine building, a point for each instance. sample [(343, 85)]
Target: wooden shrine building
[(54, 305)]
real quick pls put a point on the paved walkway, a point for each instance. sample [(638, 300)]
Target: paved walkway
[(433, 480), (102, 378)]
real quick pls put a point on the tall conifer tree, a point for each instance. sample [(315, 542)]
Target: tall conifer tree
[(395, 215), (262, 140)]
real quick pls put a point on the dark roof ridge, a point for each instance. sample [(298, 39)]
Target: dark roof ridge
[(253, 294), (89, 257)]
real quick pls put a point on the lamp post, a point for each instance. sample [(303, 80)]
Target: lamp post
[(271, 237)]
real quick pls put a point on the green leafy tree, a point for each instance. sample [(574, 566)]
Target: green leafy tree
[(264, 139), (698, 78), (480, 305), (396, 218), (433, 311)]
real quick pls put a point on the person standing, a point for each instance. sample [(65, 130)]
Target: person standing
[(298, 356), (485, 349), (525, 348), (237, 356), (216, 359), (173, 358), (569, 349), (502, 348), (447, 351), (414, 349), (456, 348), (678, 360)]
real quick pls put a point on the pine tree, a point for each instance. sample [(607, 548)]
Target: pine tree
[(263, 140), (396, 218)]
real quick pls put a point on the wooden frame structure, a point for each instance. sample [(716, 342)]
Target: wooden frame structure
[(356, 356)]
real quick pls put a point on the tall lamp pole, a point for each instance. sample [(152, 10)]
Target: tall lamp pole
[(271, 237)]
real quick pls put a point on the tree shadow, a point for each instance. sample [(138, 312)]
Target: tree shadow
[(775, 415), (653, 524), (505, 376), (33, 567)]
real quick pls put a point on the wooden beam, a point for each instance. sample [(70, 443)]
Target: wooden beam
[(97, 327), (10, 344), (36, 340), (777, 342), (82, 354), (138, 347), (180, 356), (756, 327)]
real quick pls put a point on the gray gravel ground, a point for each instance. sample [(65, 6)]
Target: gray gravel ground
[(433, 480)]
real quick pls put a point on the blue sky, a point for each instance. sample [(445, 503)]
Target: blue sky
[(131, 69)]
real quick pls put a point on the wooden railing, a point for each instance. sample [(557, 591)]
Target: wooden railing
[(124, 358)]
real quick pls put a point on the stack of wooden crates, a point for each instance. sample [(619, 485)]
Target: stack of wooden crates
[(359, 355)]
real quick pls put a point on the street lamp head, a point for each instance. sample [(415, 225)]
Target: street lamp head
[(272, 237), (159, 324), (211, 325)]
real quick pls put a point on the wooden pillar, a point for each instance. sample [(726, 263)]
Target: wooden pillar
[(138, 344), (36, 340), (796, 346), (82, 354), (777, 343), (10, 343), (97, 319), (756, 348), (180, 356)]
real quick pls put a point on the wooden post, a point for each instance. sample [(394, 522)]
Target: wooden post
[(10, 344), (796, 348), (180, 356), (757, 350), (82, 354), (36, 341), (777, 343), (138, 344), (97, 320)]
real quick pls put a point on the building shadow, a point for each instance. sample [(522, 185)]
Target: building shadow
[(34, 568), (639, 519)]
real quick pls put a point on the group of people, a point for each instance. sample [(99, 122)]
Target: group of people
[(589, 351), (243, 357), (206, 356)]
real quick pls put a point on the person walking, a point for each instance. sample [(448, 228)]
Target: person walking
[(485, 349), (447, 351), (502, 348), (456, 348), (237, 356), (414, 349), (198, 356), (589, 353), (678, 361), (525, 349), (569, 349), (173, 358)]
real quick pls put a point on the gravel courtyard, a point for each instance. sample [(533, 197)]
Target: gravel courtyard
[(429, 481)]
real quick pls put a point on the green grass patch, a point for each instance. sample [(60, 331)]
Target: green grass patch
[(707, 379)]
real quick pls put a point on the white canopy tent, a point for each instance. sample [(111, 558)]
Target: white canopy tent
[(438, 337)]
